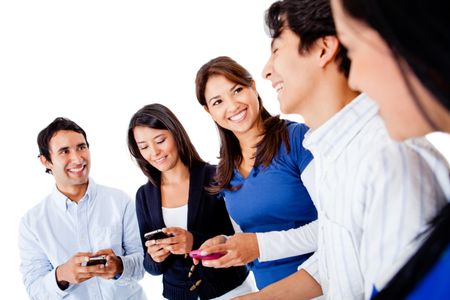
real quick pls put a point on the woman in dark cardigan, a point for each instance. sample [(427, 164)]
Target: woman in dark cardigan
[(175, 199)]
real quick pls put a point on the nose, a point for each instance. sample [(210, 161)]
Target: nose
[(154, 151), (233, 106), (76, 157), (267, 70)]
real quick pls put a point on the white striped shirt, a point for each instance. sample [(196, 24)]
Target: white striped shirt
[(373, 197)]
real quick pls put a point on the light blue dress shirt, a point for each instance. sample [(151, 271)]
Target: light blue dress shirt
[(57, 228)]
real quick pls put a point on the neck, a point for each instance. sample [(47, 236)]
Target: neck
[(249, 139), (179, 173), (330, 97), (73, 192)]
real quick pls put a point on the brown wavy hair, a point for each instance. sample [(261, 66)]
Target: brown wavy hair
[(275, 130)]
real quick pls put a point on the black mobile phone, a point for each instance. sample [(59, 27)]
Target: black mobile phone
[(96, 260), (156, 235)]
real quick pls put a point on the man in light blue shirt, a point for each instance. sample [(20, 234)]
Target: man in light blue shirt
[(77, 221)]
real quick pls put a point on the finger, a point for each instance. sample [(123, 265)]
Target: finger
[(218, 263), (221, 248), (81, 259), (83, 254), (104, 252)]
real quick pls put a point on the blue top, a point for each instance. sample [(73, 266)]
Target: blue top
[(57, 228), (436, 284), (273, 198)]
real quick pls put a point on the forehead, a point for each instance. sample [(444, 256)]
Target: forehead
[(286, 37), (66, 138), (144, 132), (217, 83)]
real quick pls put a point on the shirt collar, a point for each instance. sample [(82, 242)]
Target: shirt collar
[(330, 139), (62, 202)]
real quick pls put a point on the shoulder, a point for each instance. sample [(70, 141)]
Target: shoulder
[(114, 193), (296, 130), (37, 213)]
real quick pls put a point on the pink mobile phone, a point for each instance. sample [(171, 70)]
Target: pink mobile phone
[(196, 254)]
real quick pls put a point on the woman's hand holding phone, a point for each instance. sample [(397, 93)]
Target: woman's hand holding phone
[(181, 242), (240, 249)]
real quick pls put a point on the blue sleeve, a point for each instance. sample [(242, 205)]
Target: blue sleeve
[(301, 156)]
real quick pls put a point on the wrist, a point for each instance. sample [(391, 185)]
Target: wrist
[(62, 284)]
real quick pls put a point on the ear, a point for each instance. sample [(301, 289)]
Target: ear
[(328, 46), (45, 162), (205, 107)]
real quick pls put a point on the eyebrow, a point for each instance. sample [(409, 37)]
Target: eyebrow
[(218, 96), (159, 135), (66, 148)]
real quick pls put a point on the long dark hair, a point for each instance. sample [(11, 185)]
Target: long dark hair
[(275, 129), (417, 34), (158, 116)]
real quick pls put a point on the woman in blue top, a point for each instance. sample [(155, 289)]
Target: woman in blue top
[(400, 57), (262, 164)]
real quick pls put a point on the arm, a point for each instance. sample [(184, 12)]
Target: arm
[(151, 266), (299, 285), (42, 280), (132, 260), (281, 244), (402, 196)]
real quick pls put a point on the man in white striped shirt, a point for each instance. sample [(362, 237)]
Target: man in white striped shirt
[(374, 196)]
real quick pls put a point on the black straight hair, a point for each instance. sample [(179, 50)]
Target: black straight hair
[(417, 32), (158, 116)]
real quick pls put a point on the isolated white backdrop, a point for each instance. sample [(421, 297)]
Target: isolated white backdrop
[(97, 62)]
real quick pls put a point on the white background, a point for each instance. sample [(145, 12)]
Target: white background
[(97, 63)]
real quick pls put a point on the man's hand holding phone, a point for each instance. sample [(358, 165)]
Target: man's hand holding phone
[(113, 265), (72, 271)]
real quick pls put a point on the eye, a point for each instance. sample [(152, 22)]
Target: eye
[(143, 147), (82, 147), (238, 90), (161, 141), (275, 50), (217, 102)]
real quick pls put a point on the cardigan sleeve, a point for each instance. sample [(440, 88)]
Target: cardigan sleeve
[(144, 223)]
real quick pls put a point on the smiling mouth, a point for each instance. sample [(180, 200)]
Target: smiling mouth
[(79, 169), (160, 160), (278, 87), (239, 116)]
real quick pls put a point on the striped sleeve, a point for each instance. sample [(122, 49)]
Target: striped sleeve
[(403, 195)]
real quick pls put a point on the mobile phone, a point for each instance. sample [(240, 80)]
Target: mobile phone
[(197, 255), (95, 260), (156, 235)]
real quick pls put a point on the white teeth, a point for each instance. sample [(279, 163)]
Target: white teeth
[(279, 87), (160, 159), (77, 169), (239, 116)]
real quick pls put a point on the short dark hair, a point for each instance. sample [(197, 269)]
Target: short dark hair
[(158, 116), (309, 20), (48, 132)]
